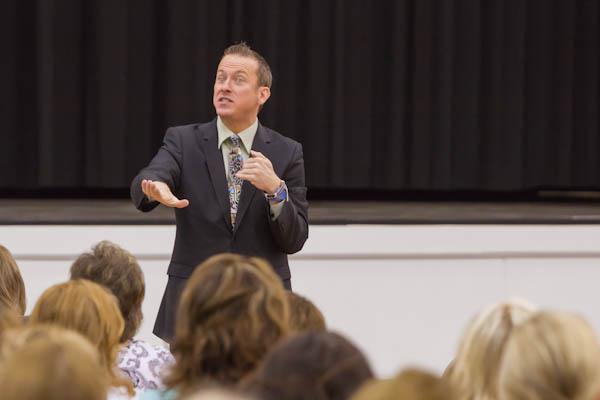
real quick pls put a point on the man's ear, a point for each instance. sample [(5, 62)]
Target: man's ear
[(264, 92)]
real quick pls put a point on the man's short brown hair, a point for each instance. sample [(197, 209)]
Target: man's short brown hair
[(265, 78), (118, 270)]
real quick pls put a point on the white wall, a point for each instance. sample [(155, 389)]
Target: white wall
[(403, 293)]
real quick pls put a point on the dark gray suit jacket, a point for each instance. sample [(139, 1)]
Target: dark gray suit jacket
[(190, 162)]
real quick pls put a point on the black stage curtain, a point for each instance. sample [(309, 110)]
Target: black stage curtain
[(386, 95)]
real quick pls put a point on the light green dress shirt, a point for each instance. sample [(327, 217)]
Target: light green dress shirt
[(247, 137)]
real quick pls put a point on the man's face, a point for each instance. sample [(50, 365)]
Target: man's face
[(236, 94)]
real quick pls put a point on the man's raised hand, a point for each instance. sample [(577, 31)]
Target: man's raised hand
[(159, 191)]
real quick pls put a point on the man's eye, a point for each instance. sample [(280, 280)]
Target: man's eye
[(239, 80), (220, 78)]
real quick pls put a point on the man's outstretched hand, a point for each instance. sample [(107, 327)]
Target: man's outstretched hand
[(159, 191)]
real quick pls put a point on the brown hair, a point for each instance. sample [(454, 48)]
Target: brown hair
[(304, 315), (310, 366), (12, 288), (91, 310), (232, 310), (410, 384), (48, 362), (551, 356), (117, 269), (265, 77)]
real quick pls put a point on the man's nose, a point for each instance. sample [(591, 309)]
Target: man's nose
[(225, 84)]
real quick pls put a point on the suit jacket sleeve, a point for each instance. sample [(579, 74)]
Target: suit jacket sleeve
[(290, 229), (164, 167)]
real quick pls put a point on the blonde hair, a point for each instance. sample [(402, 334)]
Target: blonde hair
[(410, 384), (551, 356), (91, 310), (12, 287), (52, 363), (474, 371), (232, 310)]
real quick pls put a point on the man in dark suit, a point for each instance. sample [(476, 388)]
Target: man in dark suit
[(236, 186)]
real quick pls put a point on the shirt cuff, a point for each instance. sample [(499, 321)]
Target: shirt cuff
[(276, 209)]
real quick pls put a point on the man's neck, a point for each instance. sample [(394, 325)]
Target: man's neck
[(237, 126)]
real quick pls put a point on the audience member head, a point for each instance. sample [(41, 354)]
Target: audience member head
[(232, 310), (551, 356), (50, 363), (12, 288), (411, 384), (91, 310), (474, 371), (310, 366), (304, 315), (116, 269)]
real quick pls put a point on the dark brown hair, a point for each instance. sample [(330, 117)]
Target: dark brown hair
[(265, 77), (310, 366), (116, 269), (304, 315), (232, 310), (12, 287)]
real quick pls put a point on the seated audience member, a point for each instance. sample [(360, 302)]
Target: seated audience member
[(50, 363), (310, 366), (304, 315), (474, 371), (12, 288), (411, 384), (116, 269), (232, 311), (551, 356), (91, 310)]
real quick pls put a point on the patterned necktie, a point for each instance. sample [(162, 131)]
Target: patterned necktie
[(234, 183)]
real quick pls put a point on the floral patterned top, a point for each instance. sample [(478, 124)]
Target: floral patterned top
[(144, 364)]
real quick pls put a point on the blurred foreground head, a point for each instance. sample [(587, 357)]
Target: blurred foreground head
[(551, 356), (91, 310), (310, 366), (411, 384), (50, 363), (232, 310), (474, 371)]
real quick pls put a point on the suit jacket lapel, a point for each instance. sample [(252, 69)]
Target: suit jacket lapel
[(260, 144), (216, 168)]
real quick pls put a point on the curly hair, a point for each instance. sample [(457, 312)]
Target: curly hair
[(118, 270), (91, 310), (232, 310)]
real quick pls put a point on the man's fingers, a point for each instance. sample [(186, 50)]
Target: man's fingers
[(175, 202), (257, 154), (247, 176)]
